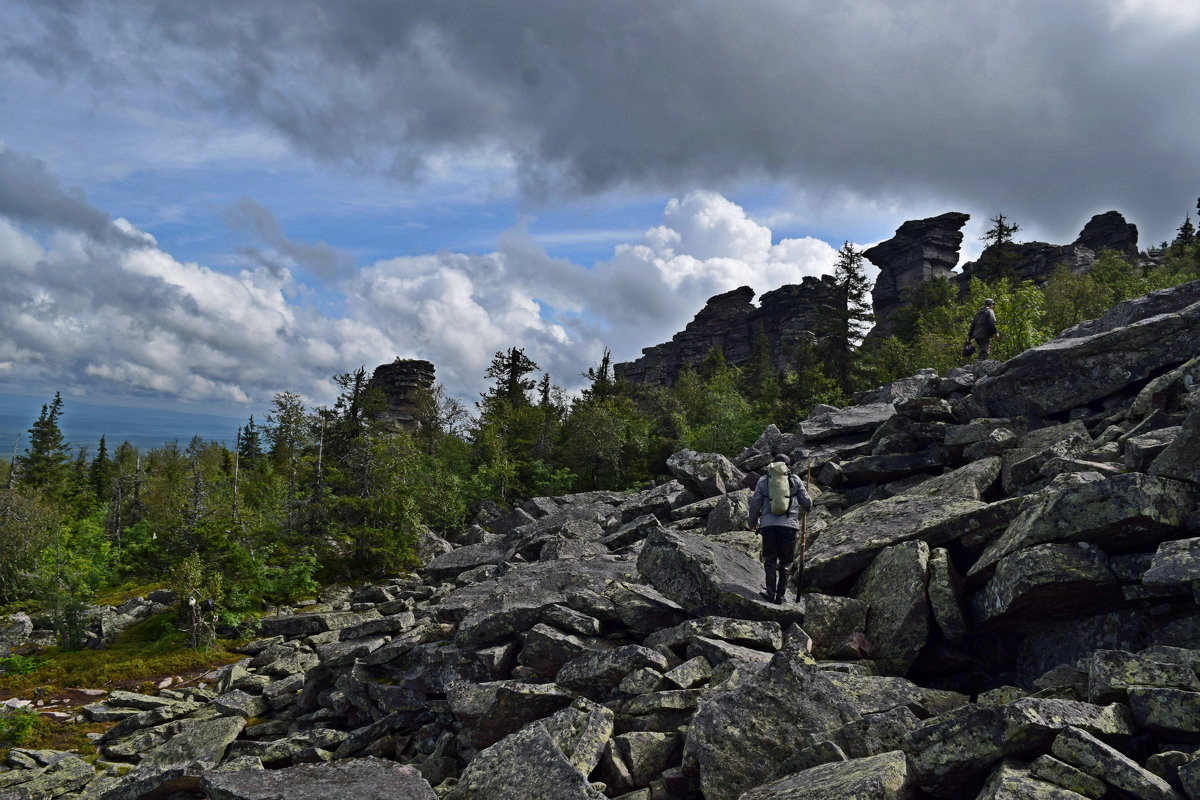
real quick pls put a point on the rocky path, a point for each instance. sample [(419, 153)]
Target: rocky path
[(1000, 601)]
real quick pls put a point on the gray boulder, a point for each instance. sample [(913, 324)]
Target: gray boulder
[(707, 578), (837, 625), (945, 595), (951, 750), (1118, 511), (968, 482), (1166, 711), (1009, 781), (761, 635), (732, 513), (851, 541), (1025, 460), (1175, 562), (1068, 372), (894, 590), (1111, 673), (859, 419), (886, 776), (705, 474), (15, 630), (1083, 750), (596, 674), (360, 778), (1178, 460), (179, 762), (1049, 581), (737, 735), (548, 760)]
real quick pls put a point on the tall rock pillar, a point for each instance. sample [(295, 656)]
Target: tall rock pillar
[(921, 250)]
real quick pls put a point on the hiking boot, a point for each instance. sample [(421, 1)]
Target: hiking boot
[(781, 587)]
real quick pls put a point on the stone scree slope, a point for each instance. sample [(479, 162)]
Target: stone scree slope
[(999, 601)]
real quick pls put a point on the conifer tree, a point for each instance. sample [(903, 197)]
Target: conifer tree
[(45, 463), (998, 259), (843, 327), (250, 445), (1186, 235), (100, 473), (509, 370)]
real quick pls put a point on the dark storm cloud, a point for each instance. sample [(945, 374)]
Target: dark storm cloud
[(1048, 111), (30, 193)]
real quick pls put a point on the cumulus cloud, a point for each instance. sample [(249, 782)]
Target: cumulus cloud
[(458, 309), (105, 309), (1049, 111)]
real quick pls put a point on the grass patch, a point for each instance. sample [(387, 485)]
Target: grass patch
[(26, 728), (148, 651), (115, 595)]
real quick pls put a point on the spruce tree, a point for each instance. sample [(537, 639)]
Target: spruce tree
[(45, 463), (848, 320), (101, 471)]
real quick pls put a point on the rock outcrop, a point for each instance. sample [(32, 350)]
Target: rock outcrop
[(731, 323), (1014, 614), (1036, 261), (401, 382), (921, 250)]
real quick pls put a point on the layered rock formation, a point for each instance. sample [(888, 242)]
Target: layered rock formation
[(921, 250), (1036, 261), (730, 322), (999, 601), (400, 382)]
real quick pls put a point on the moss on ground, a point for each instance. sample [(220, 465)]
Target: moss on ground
[(150, 650)]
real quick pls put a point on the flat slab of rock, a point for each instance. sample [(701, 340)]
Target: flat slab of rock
[(709, 579), (1012, 782), (840, 422), (1175, 562), (1116, 512), (360, 778), (1083, 750), (1049, 581), (882, 777), (850, 543), (548, 760), (1068, 372), (951, 750)]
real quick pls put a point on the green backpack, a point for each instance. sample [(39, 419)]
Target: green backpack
[(779, 487)]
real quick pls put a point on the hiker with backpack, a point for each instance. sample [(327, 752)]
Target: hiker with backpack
[(775, 507), (983, 328)]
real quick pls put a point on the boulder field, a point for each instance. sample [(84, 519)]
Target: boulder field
[(998, 600)]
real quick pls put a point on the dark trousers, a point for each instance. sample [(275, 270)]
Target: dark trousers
[(778, 545)]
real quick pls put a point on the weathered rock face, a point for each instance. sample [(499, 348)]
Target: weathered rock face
[(921, 250), (1036, 261), (730, 323), (401, 381)]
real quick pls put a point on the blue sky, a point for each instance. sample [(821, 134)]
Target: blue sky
[(204, 204)]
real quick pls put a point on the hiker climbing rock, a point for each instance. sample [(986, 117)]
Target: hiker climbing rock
[(983, 327), (775, 507)]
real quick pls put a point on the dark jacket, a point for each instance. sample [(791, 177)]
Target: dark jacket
[(760, 504), (984, 324)]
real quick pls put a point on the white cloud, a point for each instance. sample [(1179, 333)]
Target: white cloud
[(108, 311)]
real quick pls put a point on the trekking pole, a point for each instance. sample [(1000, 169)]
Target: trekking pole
[(803, 537)]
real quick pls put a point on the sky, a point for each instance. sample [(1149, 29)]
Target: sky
[(205, 204)]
